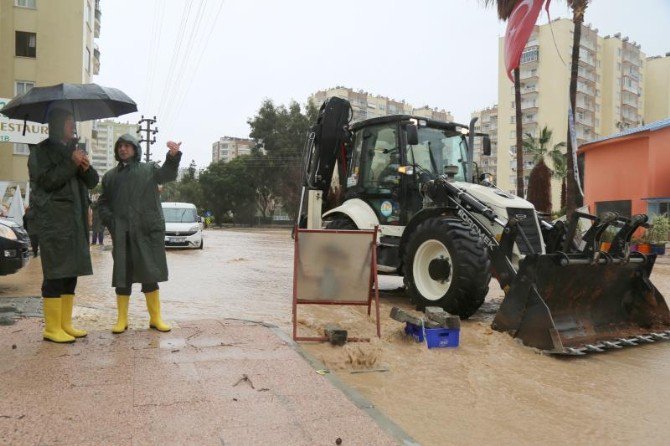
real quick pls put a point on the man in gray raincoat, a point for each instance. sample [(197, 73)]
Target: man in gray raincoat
[(130, 207), (60, 176)]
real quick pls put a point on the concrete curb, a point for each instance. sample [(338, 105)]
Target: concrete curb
[(354, 396)]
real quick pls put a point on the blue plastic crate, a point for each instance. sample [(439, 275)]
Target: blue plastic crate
[(414, 331), (442, 337), (435, 337)]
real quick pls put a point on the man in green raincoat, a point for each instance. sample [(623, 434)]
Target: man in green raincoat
[(60, 176), (130, 207)]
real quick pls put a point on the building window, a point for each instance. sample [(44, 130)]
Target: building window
[(26, 44), (530, 55), (22, 87), (621, 207), (664, 208), (87, 14), (21, 149), (26, 4), (87, 59)]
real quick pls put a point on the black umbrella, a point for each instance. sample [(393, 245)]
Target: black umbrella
[(86, 101)]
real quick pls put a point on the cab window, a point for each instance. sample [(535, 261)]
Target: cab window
[(380, 159)]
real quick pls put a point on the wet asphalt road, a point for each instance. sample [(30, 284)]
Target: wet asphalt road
[(245, 275), (499, 391)]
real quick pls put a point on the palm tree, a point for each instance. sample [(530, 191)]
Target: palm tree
[(505, 8), (560, 173), (573, 199), (539, 182)]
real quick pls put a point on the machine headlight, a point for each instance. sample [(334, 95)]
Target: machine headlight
[(6, 232), (195, 228)]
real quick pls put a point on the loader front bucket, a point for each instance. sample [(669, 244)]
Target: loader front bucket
[(569, 305)]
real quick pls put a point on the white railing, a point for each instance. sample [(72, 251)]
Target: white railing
[(630, 57), (586, 74), (587, 43), (585, 120)]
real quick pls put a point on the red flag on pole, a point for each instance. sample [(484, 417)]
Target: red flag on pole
[(519, 28)]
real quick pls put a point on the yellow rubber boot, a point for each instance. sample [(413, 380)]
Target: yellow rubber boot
[(122, 319), (154, 307), (67, 303), (52, 321)]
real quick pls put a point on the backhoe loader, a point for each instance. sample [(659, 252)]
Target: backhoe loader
[(446, 228)]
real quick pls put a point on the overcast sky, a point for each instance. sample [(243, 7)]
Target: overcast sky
[(204, 66)]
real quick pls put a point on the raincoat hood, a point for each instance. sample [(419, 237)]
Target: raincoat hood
[(130, 139)]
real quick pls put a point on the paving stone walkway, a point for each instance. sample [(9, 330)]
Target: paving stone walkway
[(205, 383)]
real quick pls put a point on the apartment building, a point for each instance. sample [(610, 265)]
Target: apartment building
[(610, 93), (487, 122), (105, 133), (44, 42), (657, 85), (367, 106), (228, 148)]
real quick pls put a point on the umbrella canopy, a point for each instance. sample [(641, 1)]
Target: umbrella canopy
[(85, 101)]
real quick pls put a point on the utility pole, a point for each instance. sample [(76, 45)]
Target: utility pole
[(149, 135)]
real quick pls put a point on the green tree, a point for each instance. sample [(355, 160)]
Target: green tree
[(560, 173), (282, 132), (227, 187), (186, 190), (539, 182)]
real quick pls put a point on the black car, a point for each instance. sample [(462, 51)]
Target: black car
[(14, 247)]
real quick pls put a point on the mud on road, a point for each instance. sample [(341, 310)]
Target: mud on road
[(490, 390)]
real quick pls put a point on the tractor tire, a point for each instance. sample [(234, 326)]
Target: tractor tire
[(342, 223), (447, 265)]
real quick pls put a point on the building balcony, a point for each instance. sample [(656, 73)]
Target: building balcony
[(528, 75), (586, 58), (629, 101), (530, 90), (630, 58), (583, 105), (584, 120), (586, 89), (586, 43), (630, 116), (530, 56), (98, 20), (96, 61), (585, 75), (631, 87), (529, 104), (633, 73)]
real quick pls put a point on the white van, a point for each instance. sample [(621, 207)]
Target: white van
[(183, 228)]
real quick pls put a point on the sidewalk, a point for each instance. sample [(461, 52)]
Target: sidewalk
[(206, 383)]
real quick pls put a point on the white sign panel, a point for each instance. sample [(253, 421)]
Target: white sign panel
[(11, 130)]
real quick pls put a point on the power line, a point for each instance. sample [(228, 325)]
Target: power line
[(153, 61), (204, 46), (150, 42), (183, 62), (177, 48)]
